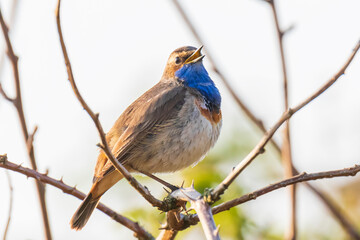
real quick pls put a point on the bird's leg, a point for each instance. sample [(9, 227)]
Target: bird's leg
[(166, 184)]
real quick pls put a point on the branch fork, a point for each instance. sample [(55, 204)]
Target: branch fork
[(201, 207)]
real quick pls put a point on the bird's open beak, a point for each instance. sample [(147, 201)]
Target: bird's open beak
[(195, 57)]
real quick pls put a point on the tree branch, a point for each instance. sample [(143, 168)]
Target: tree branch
[(17, 102), (5, 96), (13, 13), (303, 177), (95, 117), (286, 143), (133, 226), (259, 148), (167, 234), (202, 209)]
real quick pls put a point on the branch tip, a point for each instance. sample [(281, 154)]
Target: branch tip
[(287, 30), (216, 233), (100, 146), (3, 158), (5, 96)]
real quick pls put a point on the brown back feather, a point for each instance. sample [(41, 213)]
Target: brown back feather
[(155, 107)]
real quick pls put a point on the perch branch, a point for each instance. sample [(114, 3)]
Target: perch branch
[(202, 209), (133, 226), (259, 148), (95, 117), (17, 102)]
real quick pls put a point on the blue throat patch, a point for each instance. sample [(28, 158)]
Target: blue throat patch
[(194, 75)]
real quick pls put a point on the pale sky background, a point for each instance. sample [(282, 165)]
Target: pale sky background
[(118, 50)]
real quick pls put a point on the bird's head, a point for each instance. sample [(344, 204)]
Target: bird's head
[(185, 66), (182, 58)]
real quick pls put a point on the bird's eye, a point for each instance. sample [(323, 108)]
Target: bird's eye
[(177, 60)]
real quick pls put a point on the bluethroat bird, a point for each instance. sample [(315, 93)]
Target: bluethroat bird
[(170, 127)]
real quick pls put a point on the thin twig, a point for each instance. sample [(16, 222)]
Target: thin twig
[(13, 13), (286, 144), (259, 148), (11, 191), (133, 226), (30, 140), (95, 117), (17, 102), (4, 94)]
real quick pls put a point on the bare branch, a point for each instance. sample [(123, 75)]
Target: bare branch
[(303, 177), (95, 117), (286, 144), (259, 148), (3, 93), (202, 209), (13, 13), (30, 140), (11, 191), (167, 234), (174, 223), (133, 226), (17, 102)]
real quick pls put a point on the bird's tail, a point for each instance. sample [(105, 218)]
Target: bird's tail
[(84, 212)]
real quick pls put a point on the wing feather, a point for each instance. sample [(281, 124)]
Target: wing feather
[(155, 107)]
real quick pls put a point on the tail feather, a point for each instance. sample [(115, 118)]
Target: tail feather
[(84, 212)]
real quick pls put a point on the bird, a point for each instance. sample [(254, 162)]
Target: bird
[(168, 128)]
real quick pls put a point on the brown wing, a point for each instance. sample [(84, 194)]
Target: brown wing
[(159, 104)]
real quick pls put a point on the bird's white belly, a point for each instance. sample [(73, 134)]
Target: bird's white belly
[(182, 143)]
